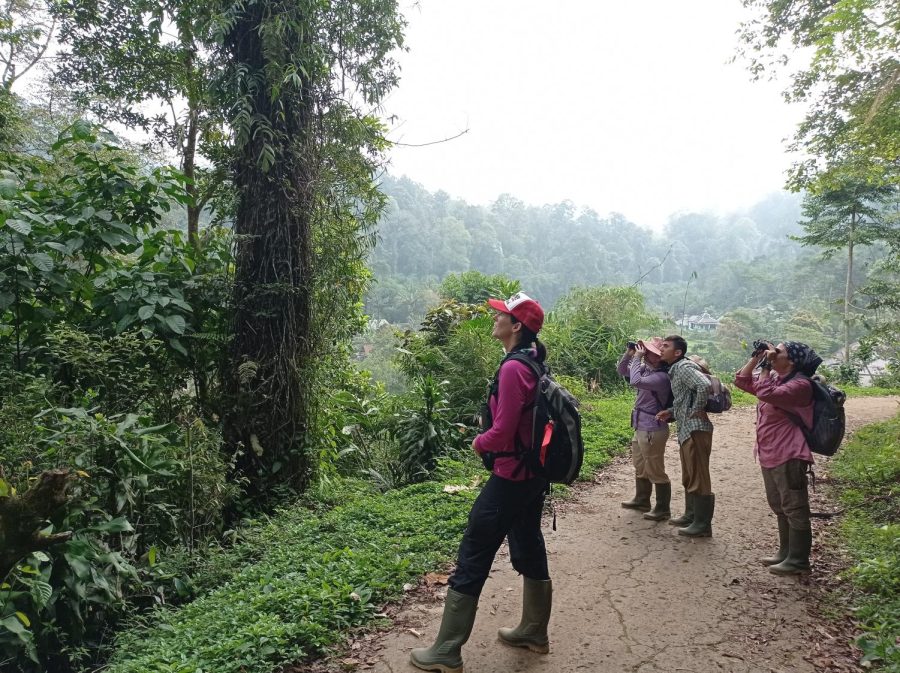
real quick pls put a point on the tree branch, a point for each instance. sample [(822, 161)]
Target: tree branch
[(652, 269), (433, 142)]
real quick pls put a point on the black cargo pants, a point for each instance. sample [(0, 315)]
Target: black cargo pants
[(503, 509)]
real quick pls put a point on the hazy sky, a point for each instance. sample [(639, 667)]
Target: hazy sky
[(618, 106)]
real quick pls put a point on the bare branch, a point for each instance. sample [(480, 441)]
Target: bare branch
[(652, 269), (40, 54), (434, 142)]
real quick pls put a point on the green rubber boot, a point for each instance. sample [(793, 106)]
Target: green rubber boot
[(783, 533), (797, 561), (537, 598), (687, 518), (701, 526), (643, 488), (456, 626), (662, 510)]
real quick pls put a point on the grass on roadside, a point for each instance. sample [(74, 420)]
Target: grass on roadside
[(859, 391), (296, 584), (867, 475)]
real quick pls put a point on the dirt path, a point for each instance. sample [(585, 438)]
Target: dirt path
[(631, 595)]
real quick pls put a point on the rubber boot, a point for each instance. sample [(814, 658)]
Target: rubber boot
[(456, 626), (701, 526), (797, 561), (687, 518), (662, 510), (783, 532), (643, 488), (537, 598)]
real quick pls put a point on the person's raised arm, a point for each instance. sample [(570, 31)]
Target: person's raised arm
[(744, 378), (624, 362)]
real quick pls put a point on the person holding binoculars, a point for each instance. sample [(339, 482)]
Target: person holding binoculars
[(779, 378), (641, 366)]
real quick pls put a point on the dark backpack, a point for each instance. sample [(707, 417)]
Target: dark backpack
[(829, 419), (557, 450)]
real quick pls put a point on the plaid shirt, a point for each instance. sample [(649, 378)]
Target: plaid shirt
[(691, 390)]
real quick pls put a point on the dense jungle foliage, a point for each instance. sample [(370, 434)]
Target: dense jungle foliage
[(222, 445)]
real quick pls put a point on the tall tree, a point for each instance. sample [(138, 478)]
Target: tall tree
[(851, 83), (143, 63), (26, 31), (302, 81), (845, 217)]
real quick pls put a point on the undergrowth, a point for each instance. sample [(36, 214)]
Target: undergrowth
[(294, 585), (867, 474)]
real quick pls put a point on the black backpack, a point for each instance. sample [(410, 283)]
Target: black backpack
[(829, 420), (557, 450)]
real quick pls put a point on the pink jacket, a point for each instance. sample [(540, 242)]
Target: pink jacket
[(778, 438), (515, 391)]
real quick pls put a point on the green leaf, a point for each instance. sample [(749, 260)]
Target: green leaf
[(13, 624), (41, 592), (146, 312), (151, 556), (23, 618), (87, 212), (124, 322), (111, 238), (82, 130), (178, 346), (118, 525), (42, 261), (20, 226), (176, 323), (8, 188)]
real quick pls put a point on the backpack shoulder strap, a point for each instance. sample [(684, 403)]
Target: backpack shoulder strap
[(795, 418), (536, 367)]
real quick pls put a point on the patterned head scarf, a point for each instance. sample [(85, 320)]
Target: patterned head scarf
[(805, 359)]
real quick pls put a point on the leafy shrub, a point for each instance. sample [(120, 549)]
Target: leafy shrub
[(867, 473), (425, 432), (587, 331), (291, 586), (125, 371), (57, 608), (24, 396), (454, 345), (842, 374), (319, 575), (474, 287), (141, 489)]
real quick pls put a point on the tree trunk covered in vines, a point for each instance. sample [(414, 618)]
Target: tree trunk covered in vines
[(273, 274)]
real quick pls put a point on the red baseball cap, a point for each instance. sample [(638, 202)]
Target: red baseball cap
[(523, 308)]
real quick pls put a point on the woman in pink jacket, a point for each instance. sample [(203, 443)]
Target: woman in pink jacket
[(509, 506), (785, 398)]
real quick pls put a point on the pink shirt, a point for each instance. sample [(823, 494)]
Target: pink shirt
[(778, 438), (515, 390)]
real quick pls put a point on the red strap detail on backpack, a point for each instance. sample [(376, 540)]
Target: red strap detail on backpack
[(545, 442)]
